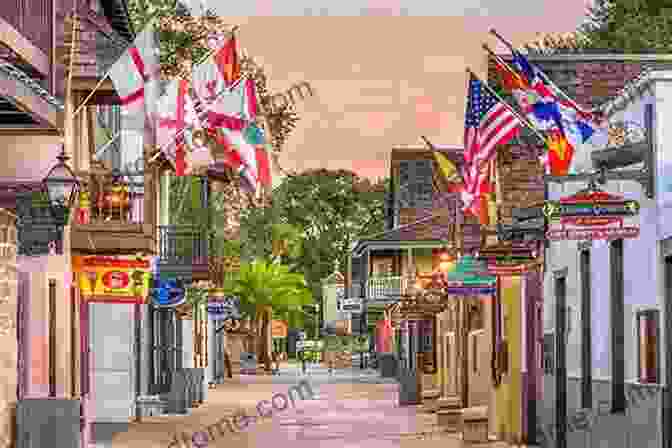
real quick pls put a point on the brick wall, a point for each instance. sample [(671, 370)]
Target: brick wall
[(521, 179)]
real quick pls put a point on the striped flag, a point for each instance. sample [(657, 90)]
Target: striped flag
[(488, 122)]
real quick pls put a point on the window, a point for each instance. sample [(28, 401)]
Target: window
[(549, 353), (648, 346), (415, 183)]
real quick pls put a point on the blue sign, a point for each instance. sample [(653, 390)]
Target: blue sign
[(228, 308), (168, 293)]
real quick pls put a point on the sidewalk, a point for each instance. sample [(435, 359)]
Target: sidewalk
[(341, 416)]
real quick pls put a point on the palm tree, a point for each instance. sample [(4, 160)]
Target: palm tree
[(265, 289)]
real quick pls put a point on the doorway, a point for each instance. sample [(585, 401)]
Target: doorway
[(667, 391)]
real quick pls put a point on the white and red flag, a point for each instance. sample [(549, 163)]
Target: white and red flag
[(135, 76)]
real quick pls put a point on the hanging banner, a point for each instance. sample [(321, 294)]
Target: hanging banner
[(115, 279), (592, 215)]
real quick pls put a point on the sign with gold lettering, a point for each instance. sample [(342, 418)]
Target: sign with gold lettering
[(116, 279)]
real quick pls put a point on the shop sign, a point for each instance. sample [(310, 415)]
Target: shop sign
[(471, 290), (115, 279), (593, 233), (168, 293), (591, 215)]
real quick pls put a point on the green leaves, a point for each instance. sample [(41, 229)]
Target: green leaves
[(332, 208), (262, 284), (642, 26)]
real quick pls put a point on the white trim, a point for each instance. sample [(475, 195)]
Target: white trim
[(634, 89)]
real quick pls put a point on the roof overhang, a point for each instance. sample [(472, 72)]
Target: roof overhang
[(26, 104), (369, 245)]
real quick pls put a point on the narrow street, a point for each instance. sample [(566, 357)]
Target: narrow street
[(349, 409)]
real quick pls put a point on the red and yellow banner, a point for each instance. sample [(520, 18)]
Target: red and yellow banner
[(113, 279)]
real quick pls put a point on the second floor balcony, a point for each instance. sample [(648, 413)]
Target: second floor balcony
[(386, 287), (114, 214), (183, 251)]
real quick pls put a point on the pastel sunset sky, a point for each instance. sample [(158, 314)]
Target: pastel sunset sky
[(385, 80)]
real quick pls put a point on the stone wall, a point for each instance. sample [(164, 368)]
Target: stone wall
[(8, 340)]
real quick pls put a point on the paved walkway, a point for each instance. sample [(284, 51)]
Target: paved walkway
[(340, 416)]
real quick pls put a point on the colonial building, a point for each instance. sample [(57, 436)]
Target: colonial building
[(602, 377)]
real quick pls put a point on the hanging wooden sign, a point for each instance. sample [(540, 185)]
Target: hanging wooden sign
[(591, 215)]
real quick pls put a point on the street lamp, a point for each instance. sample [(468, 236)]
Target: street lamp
[(62, 187)]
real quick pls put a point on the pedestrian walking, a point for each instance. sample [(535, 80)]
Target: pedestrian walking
[(303, 362)]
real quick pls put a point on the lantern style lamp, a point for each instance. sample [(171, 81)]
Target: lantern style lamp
[(62, 187)]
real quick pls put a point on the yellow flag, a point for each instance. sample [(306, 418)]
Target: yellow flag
[(448, 168)]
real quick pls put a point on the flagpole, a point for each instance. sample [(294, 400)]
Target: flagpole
[(428, 143), (546, 78), (513, 111), (102, 80)]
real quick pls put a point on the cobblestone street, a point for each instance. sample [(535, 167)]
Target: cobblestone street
[(361, 412)]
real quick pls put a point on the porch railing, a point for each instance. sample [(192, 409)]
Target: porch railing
[(183, 244), (386, 287)]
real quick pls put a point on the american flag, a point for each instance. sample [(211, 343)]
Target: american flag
[(488, 123)]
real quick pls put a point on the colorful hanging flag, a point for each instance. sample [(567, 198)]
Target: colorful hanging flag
[(239, 102), (135, 76), (235, 141), (171, 110), (488, 122), (447, 167), (135, 67), (540, 82), (254, 135), (564, 125), (219, 72)]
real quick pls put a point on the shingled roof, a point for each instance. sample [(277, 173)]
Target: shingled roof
[(592, 78)]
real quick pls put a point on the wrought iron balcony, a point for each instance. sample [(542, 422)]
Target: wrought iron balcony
[(183, 250)]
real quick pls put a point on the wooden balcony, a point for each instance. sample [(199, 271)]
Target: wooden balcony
[(111, 218), (183, 252)]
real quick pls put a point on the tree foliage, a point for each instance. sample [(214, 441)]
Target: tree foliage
[(628, 26), (332, 209)]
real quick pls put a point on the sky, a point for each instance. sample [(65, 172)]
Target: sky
[(385, 79)]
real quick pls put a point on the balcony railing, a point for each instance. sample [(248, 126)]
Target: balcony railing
[(386, 287), (183, 245)]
